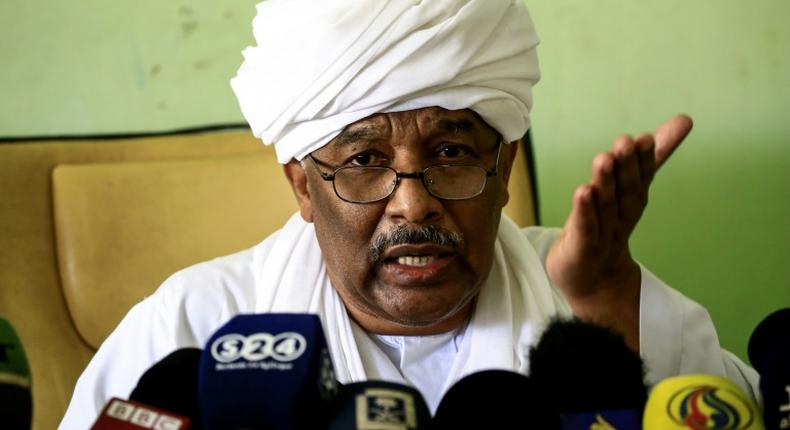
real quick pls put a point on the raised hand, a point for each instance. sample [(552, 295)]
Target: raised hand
[(591, 261)]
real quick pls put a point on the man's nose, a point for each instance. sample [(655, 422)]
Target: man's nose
[(411, 202)]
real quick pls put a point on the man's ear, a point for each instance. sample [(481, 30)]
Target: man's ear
[(509, 151), (297, 177)]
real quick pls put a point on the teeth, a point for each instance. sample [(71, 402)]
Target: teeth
[(416, 260)]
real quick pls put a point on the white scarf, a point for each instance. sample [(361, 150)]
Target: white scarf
[(320, 65), (511, 310)]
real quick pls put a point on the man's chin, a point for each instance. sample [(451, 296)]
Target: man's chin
[(426, 321), (409, 309)]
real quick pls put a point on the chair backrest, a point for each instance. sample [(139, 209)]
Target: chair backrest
[(122, 228), (96, 225), (32, 297)]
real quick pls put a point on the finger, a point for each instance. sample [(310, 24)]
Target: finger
[(629, 188), (604, 193), (582, 227), (669, 136), (645, 147)]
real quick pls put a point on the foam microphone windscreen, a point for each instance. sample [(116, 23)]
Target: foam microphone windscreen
[(699, 402), (773, 330), (379, 405), (16, 401), (267, 371), (494, 399), (172, 385), (588, 374), (769, 352)]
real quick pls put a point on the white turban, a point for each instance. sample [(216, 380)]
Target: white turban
[(323, 64)]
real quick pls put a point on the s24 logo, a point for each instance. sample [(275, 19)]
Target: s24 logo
[(283, 347)]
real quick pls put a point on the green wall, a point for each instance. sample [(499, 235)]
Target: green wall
[(716, 227), (92, 66)]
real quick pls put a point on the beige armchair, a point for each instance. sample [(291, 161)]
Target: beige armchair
[(88, 227)]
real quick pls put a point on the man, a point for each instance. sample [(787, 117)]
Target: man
[(394, 122)]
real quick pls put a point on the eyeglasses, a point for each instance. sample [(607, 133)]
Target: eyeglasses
[(369, 184)]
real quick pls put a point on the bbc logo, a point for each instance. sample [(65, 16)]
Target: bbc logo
[(142, 416)]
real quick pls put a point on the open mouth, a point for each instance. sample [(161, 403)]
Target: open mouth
[(417, 264), (417, 260)]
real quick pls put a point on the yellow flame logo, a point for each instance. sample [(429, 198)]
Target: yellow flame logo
[(705, 407)]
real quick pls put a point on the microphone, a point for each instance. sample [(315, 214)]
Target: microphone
[(700, 402), (16, 401), (130, 415), (374, 405), (769, 352), (589, 376), (494, 399), (267, 371), (172, 385)]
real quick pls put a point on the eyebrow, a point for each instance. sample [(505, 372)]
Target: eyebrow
[(356, 133), (455, 125)]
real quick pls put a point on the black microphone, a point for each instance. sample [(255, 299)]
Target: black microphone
[(16, 401), (267, 371), (769, 352), (165, 397), (172, 385), (373, 405), (494, 399), (589, 375)]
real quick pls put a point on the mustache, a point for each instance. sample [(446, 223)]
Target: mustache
[(402, 235)]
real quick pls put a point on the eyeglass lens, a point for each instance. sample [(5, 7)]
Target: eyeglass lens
[(369, 184)]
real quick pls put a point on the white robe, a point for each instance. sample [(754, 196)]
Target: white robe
[(286, 273)]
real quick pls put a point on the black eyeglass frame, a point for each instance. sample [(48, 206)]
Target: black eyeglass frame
[(413, 175)]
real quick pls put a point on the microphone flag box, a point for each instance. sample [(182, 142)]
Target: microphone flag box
[(266, 370), (130, 415), (379, 405)]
